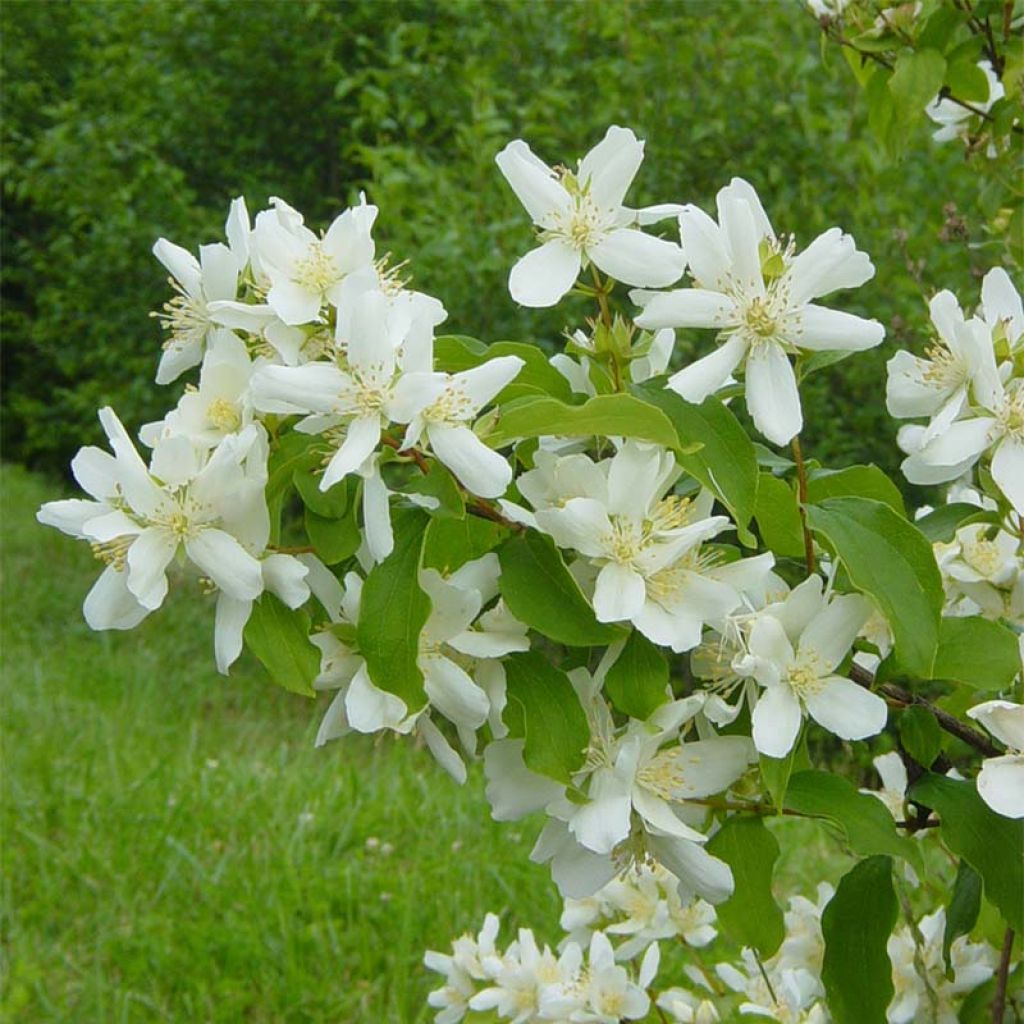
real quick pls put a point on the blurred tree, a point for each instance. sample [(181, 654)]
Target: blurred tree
[(126, 121)]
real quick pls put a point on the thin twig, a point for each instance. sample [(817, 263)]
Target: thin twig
[(413, 453), (1002, 978), (903, 698), (292, 551)]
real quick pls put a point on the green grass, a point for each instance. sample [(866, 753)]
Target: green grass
[(174, 848)]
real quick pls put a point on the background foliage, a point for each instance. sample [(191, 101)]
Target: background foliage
[(125, 121)]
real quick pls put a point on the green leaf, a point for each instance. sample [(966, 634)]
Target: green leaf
[(334, 540), (438, 483), (940, 525), (976, 651), (778, 517), (776, 773), (861, 481), (617, 415), (862, 819), (915, 81), (727, 463), (822, 361), (856, 925), (750, 916), (540, 591), (454, 353), (451, 543), (892, 562), (967, 81), (290, 453), (964, 906), (637, 682), (920, 735), (279, 637), (553, 720), (330, 504), (990, 843), (393, 611)]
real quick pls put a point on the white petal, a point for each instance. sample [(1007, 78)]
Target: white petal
[(684, 307), (610, 167), (697, 870), (226, 562), (147, 561), (544, 275), (334, 723), (514, 791), (1001, 301), (1008, 471), (292, 303), (1001, 785), (772, 396), (380, 537), (603, 822), (479, 469), (847, 710), (220, 272), (369, 708), (830, 330), (361, 438), (711, 766), (776, 721), (630, 256), (1003, 719), (315, 387), (95, 471), (533, 182), (229, 625), (442, 750), (453, 693), (740, 229), (183, 266), (481, 383), (285, 576), (71, 515), (581, 523), (830, 263), (709, 373), (831, 632), (619, 593), (110, 604), (707, 251)]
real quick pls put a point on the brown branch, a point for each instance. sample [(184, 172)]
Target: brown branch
[(291, 551), (801, 476), (413, 453), (904, 698), (1002, 978), (481, 508)]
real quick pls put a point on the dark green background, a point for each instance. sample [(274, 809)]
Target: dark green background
[(125, 121)]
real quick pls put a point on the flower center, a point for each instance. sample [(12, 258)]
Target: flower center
[(664, 774), (113, 552), (1011, 415), (316, 271), (945, 368), (224, 415), (670, 513), (760, 318), (982, 555), (184, 318), (624, 541), (452, 406), (804, 677)]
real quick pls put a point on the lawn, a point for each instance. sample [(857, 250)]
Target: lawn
[(174, 848)]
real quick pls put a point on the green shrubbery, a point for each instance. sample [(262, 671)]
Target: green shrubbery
[(127, 121)]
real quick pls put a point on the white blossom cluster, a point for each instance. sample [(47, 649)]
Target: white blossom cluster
[(969, 386), (527, 983)]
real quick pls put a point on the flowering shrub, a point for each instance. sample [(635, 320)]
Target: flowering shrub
[(585, 572)]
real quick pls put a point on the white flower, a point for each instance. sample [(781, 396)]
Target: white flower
[(187, 317), (471, 961), (610, 994), (222, 404), (305, 272), (934, 998), (793, 653), (750, 287), (349, 400), (792, 997), (207, 508), (938, 386), (442, 406), (645, 545), (1001, 308), (997, 430), (1001, 780), (581, 219), (686, 1008), (953, 118)]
